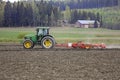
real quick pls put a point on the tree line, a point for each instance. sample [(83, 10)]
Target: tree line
[(49, 13), (85, 4), (33, 13), (38, 13), (83, 15)]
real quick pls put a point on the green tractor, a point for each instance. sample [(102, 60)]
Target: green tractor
[(42, 38)]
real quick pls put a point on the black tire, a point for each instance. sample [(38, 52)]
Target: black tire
[(47, 42), (28, 44)]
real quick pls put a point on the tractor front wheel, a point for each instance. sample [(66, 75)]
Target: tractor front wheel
[(28, 44), (47, 42)]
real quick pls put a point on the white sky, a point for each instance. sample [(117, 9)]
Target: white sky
[(11, 0)]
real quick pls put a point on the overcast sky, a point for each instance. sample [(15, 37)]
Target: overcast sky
[(10, 0)]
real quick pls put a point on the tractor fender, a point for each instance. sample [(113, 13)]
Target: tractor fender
[(48, 35)]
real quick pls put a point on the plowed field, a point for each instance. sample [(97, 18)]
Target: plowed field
[(17, 63)]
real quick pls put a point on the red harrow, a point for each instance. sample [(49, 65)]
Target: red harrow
[(82, 45)]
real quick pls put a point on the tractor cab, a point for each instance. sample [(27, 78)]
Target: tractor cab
[(42, 31)]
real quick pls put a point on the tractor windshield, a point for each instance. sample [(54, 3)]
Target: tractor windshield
[(42, 32)]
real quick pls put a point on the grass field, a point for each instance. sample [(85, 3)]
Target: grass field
[(65, 34)]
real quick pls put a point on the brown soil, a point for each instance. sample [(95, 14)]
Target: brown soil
[(58, 64)]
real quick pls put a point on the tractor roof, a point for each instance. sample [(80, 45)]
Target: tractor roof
[(42, 28)]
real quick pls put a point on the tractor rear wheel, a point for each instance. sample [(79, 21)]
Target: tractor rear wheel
[(28, 44), (47, 42)]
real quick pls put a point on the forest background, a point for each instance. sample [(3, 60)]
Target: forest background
[(32, 13)]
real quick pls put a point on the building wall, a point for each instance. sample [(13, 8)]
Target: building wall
[(84, 25), (78, 24)]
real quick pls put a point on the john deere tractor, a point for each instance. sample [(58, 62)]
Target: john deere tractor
[(42, 38)]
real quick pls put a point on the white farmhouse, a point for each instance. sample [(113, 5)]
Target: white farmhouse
[(86, 23)]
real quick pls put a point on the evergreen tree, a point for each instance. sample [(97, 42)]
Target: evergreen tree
[(90, 15), (52, 19), (74, 16), (7, 14), (49, 13), (56, 14), (36, 15), (95, 24), (14, 15), (101, 22), (42, 12), (98, 17), (29, 15), (79, 15), (22, 14), (18, 14), (84, 15), (67, 14), (2, 4)]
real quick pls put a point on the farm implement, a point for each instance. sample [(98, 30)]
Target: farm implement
[(47, 41), (82, 45)]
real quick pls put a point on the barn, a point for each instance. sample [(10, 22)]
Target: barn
[(86, 23)]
